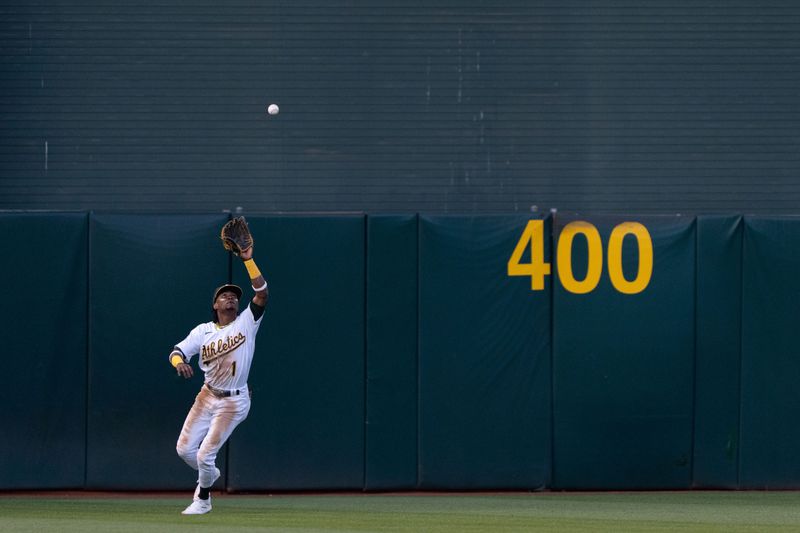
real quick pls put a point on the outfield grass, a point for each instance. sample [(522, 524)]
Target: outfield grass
[(562, 512)]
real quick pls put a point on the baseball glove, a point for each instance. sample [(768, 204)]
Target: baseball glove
[(236, 236)]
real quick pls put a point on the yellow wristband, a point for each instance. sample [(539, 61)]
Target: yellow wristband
[(176, 359), (252, 269)]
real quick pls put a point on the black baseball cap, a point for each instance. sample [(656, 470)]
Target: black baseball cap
[(225, 288)]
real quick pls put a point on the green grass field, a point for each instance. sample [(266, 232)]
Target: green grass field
[(562, 512)]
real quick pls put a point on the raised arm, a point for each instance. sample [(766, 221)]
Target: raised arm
[(256, 278)]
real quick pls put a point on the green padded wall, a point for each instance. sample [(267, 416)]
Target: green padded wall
[(152, 281), (770, 403), (306, 426), (397, 353), (44, 271), (623, 365), (392, 302), (718, 351), (484, 348)]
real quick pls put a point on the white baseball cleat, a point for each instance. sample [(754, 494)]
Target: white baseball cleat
[(198, 507)]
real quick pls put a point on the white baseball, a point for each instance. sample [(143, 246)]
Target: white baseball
[(273, 109)]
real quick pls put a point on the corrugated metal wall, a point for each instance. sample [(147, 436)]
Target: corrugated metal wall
[(433, 106)]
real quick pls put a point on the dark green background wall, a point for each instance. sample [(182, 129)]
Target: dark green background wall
[(392, 298), (307, 429), (624, 367), (145, 273), (718, 349), (45, 342), (435, 106), (769, 352), (397, 353), (484, 359)]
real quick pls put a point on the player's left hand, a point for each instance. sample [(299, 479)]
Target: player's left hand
[(247, 254), (236, 236), (185, 370)]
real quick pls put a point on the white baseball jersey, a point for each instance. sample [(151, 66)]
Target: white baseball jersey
[(226, 353)]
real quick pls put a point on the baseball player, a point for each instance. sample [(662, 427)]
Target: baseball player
[(225, 347)]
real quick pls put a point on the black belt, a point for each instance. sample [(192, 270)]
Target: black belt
[(220, 393)]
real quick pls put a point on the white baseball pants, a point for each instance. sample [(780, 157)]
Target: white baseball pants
[(210, 422)]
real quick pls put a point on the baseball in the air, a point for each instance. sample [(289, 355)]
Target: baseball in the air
[(273, 109)]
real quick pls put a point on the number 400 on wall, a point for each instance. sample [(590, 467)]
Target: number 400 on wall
[(537, 269)]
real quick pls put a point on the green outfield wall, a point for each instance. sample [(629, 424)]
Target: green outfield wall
[(624, 363), (407, 352), (45, 331)]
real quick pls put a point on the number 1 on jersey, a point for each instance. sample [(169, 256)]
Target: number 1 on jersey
[(537, 269)]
